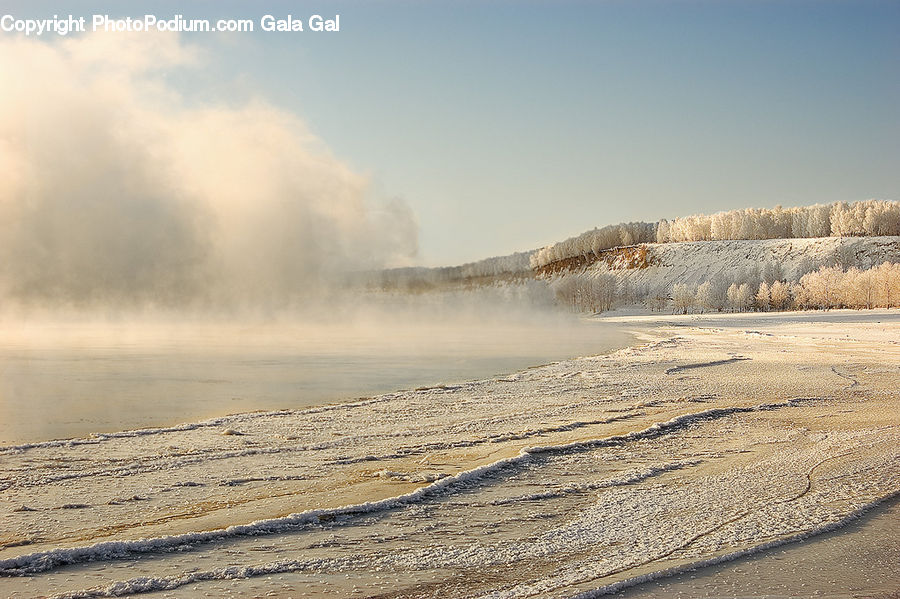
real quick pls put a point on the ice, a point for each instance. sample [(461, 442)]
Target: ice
[(576, 478)]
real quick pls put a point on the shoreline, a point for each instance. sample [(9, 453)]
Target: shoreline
[(197, 375), (638, 325), (687, 402)]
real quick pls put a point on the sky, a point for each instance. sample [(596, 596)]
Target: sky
[(506, 126)]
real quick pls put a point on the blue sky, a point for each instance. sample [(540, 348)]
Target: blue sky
[(509, 125)]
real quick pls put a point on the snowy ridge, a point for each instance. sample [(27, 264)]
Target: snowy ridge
[(111, 550), (207, 455), (704, 271), (840, 219), (792, 257)]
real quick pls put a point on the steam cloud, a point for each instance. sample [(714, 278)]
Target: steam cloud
[(116, 190)]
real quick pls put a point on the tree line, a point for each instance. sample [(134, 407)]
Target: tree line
[(825, 288), (856, 219)]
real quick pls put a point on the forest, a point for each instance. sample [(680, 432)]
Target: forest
[(840, 219)]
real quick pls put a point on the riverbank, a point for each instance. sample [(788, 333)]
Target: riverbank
[(719, 436), (72, 378)]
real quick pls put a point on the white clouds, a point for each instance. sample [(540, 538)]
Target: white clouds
[(113, 187)]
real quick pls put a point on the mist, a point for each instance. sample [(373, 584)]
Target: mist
[(164, 260), (117, 192)]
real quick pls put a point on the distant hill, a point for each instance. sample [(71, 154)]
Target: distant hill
[(651, 263), (744, 261)]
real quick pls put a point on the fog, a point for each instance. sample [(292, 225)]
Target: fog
[(116, 191), (74, 376), (164, 260)]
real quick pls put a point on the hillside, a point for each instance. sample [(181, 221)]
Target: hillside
[(692, 263), (489, 271), (832, 255), (734, 274), (808, 272), (868, 218)]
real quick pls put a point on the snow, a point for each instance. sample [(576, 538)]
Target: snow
[(692, 263), (720, 436), (865, 218)]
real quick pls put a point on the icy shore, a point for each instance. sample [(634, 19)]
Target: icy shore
[(718, 437)]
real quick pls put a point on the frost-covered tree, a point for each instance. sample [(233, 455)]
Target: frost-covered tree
[(811, 221), (657, 302), (871, 217), (704, 298), (732, 296), (586, 291), (591, 244), (683, 297), (604, 289), (626, 292), (887, 285), (662, 232), (843, 256), (867, 218), (740, 297), (763, 297), (860, 288), (833, 287), (820, 289), (780, 295), (744, 297)]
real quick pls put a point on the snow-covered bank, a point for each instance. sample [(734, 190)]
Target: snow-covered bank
[(720, 435), (766, 274), (693, 262)]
